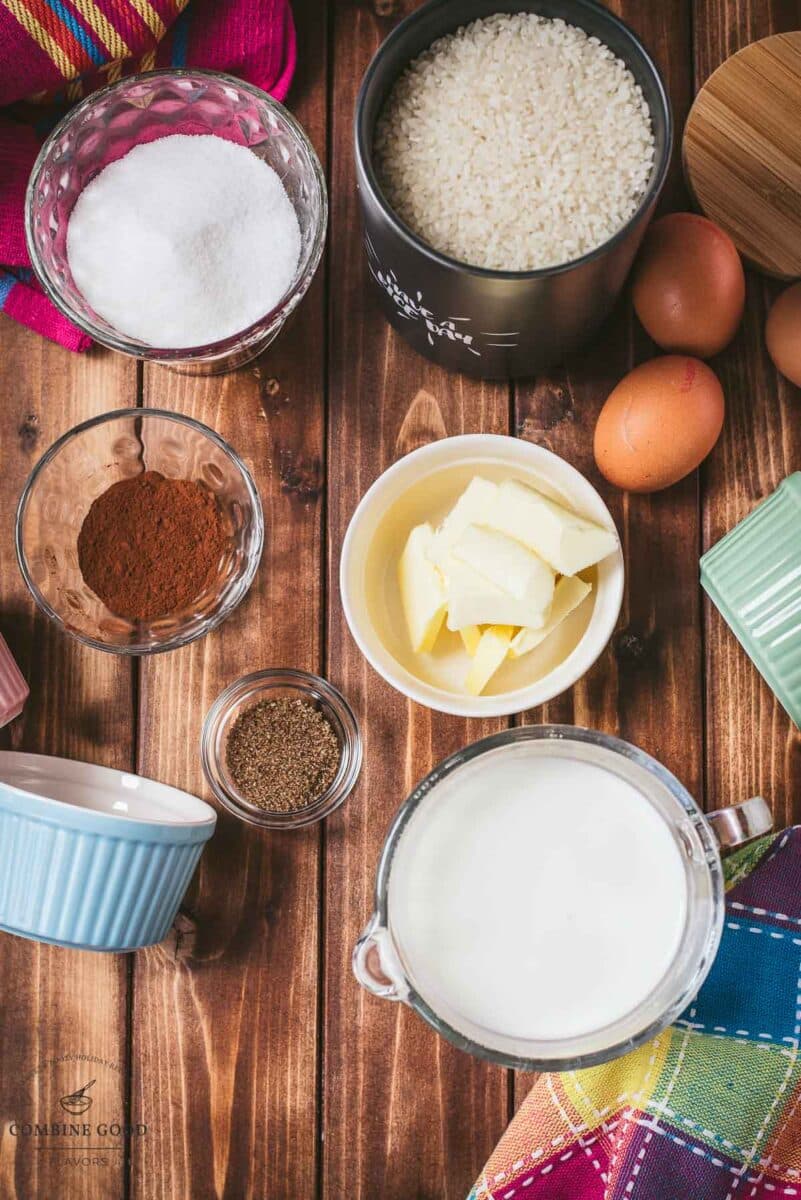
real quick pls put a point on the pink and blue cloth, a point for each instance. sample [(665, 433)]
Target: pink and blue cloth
[(710, 1109), (54, 52)]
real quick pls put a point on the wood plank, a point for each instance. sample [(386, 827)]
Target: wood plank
[(404, 1113), (752, 746), (225, 1033), (58, 1004), (647, 686)]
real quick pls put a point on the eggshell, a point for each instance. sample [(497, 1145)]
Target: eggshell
[(783, 334), (659, 423), (688, 285)]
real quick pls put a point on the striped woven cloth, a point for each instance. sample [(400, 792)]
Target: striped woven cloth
[(54, 52), (710, 1109)]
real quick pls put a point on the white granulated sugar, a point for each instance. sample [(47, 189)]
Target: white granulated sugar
[(184, 241), (515, 143)]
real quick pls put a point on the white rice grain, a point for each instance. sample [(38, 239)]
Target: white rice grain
[(515, 143)]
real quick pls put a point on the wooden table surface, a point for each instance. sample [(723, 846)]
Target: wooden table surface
[(243, 1043)]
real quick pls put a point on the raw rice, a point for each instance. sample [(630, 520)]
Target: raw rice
[(516, 142)]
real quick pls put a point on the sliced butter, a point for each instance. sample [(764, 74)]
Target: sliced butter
[(422, 590), (508, 564), (473, 600), (570, 592), (471, 636), (474, 502), (568, 543), (492, 650)]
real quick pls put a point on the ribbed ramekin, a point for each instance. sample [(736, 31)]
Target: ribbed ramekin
[(753, 576), (93, 858), (14, 690)]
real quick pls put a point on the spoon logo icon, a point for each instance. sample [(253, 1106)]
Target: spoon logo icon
[(77, 1102)]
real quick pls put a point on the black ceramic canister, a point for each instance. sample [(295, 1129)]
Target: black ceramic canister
[(497, 324)]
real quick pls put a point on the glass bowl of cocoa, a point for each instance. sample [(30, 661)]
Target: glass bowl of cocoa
[(139, 531), (281, 748)]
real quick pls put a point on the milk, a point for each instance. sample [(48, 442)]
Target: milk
[(536, 896)]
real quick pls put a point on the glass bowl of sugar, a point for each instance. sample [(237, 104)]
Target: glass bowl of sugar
[(178, 216)]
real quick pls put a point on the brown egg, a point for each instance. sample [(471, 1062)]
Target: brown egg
[(688, 285), (783, 334), (659, 423)]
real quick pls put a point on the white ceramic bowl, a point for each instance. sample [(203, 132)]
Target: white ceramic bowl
[(423, 486)]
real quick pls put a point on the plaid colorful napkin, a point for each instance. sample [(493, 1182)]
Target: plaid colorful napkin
[(710, 1109), (54, 52)]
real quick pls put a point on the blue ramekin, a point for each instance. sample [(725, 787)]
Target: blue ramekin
[(93, 858)]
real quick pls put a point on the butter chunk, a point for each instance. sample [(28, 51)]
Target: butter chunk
[(508, 564), (474, 600), (471, 636), (471, 507), (568, 543), (569, 594), (491, 652), (422, 590)]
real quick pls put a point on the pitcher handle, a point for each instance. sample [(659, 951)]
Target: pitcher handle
[(376, 965), (740, 823)]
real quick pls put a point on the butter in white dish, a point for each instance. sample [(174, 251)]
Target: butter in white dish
[(489, 654), (507, 563), (471, 636), (423, 591), (570, 592), (568, 542), (505, 557), (469, 509), (474, 600)]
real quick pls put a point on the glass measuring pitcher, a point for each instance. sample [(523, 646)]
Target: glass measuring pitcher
[(550, 898)]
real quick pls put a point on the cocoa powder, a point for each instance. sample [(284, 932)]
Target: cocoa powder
[(149, 545)]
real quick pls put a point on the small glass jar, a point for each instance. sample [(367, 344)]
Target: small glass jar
[(280, 684), (142, 108)]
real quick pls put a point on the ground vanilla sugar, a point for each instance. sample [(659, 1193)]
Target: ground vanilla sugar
[(282, 754), (149, 546)]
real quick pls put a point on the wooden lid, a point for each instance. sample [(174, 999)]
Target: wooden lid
[(742, 152)]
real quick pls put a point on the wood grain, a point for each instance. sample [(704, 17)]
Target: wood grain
[(405, 1115), (58, 1004), (225, 1055), (227, 1043), (742, 152), (751, 745), (647, 686)]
